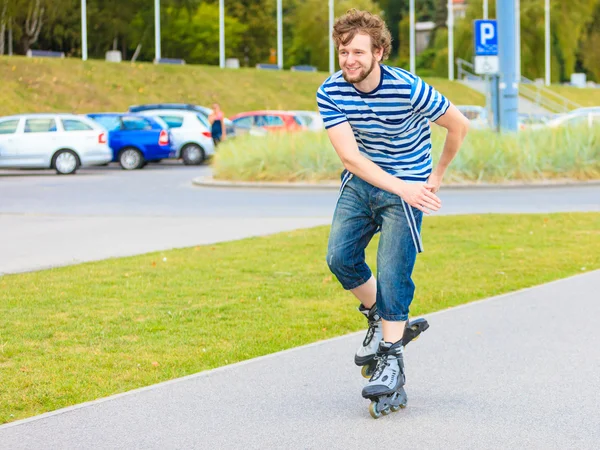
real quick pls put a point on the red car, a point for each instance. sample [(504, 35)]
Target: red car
[(260, 122)]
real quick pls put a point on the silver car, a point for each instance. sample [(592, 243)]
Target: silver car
[(311, 119), (192, 138), (63, 142)]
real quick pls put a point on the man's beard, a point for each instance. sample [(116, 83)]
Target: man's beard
[(362, 75)]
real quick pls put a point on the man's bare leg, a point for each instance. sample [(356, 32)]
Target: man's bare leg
[(367, 294)]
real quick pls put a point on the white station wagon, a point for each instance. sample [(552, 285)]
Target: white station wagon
[(191, 133), (63, 142)]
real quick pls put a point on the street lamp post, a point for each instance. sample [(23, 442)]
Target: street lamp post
[(411, 39), (157, 30), (547, 46), (279, 36), (84, 48), (518, 39), (222, 34), (450, 41), (331, 49)]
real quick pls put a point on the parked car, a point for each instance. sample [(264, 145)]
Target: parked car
[(581, 116), (229, 126), (533, 121), (271, 121), (477, 115), (134, 139), (63, 142), (191, 134), (311, 119)]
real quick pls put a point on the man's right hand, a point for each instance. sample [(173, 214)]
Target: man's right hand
[(420, 196)]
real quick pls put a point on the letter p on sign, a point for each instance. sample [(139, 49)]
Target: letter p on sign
[(487, 33)]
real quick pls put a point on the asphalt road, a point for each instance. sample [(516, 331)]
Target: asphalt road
[(47, 220), (165, 190)]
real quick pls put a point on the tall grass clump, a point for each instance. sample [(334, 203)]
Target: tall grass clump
[(278, 157), (530, 155), (485, 157)]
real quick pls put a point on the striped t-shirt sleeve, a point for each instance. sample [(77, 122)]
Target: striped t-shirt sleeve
[(428, 102), (331, 114)]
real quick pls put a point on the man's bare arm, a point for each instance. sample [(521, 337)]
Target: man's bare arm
[(418, 195), (458, 126)]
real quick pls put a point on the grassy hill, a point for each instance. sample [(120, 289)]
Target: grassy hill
[(71, 85), (583, 96)]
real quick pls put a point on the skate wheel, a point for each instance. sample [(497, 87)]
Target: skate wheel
[(386, 411), (365, 372), (375, 413), (395, 408)]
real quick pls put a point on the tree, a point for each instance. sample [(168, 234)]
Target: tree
[(589, 55), (195, 37), (34, 20), (310, 44), (3, 9), (393, 12)]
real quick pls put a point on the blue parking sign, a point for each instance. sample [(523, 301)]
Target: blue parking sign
[(486, 37)]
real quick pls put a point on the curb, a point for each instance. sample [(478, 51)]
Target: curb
[(335, 185)]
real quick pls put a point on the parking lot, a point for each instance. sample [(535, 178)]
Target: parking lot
[(48, 220)]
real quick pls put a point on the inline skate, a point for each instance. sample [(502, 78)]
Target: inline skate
[(386, 386), (365, 356)]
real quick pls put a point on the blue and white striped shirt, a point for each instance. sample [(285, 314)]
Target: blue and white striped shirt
[(391, 123)]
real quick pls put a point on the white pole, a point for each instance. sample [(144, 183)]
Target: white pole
[(485, 9), (547, 14), (450, 41), (84, 48), (222, 34), (157, 30), (331, 49), (279, 36), (411, 40), (518, 40)]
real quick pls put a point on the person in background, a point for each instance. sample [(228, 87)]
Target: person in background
[(217, 123)]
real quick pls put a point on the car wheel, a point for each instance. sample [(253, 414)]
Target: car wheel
[(131, 159), (192, 154), (65, 162)]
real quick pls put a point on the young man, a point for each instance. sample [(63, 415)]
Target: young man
[(377, 118)]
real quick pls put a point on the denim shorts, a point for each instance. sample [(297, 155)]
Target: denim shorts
[(363, 210)]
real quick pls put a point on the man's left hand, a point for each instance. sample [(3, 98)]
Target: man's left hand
[(436, 181)]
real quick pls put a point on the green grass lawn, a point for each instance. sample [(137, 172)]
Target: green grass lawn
[(77, 333), (71, 85)]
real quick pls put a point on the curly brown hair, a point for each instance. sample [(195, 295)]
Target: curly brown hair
[(355, 21)]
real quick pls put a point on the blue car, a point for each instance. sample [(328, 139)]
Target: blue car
[(135, 140)]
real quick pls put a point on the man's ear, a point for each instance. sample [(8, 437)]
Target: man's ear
[(378, 54)]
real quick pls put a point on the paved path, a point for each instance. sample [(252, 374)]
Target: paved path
[(516, 371)]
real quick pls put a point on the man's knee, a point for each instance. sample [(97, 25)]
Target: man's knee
[(349, 273), (335, 261)]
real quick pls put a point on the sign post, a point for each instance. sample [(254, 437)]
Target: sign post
[(509, 85)]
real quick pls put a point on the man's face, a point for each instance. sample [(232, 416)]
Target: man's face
[(356, 59)]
